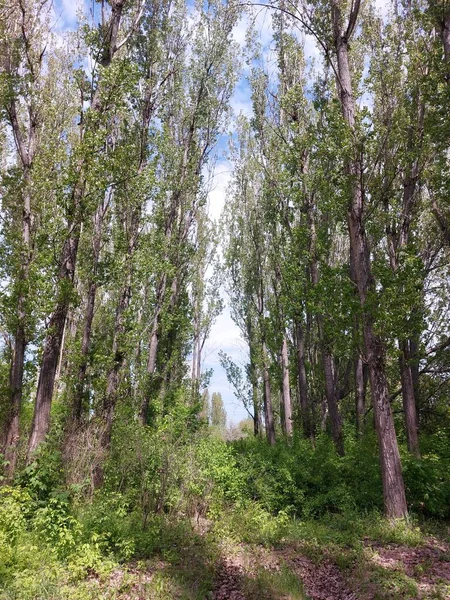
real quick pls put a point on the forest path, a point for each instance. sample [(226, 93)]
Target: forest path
[(205, 568), (255, 572), (375, 571)]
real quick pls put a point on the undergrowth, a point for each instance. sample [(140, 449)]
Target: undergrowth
[(140, 532)]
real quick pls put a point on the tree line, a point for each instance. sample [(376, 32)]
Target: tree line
[(337, 227), (107, 140), (335, 233)]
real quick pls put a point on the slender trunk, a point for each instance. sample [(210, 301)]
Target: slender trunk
[(361, 376), (27, 151), (153, 350), (391, 471), (332, 402), (286, 388), (327, 356), (256, 413), (78, 400), (109, 402), (52, 345), (445, 37), (302, 381), (415, 366), (254, 379), (444, 30), (79, 394), (268, 409), (409, 401), (16, 384), (398, 242)]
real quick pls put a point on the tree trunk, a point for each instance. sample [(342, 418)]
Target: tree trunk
[(391, 471), (327, 357), (253, 375), (89, 313), (26, 150), (361, 376), (153, 349), (286, 392), (445, 37), (302, 381), (16, 384), (52, 347), (268, 409), (409, 401), (332, 401), (110, 399)]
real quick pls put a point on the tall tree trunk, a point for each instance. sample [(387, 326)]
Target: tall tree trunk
[(118, 352), (286, 388), (444, 30), (361, 376), (253, 375), (302, 381), (153, 349), (332, 401), (331, 393), (391, 471), (409, 400), (398, 242), (12, 433), (26, 148), (268, 409), (445, 37), (16, 384), (77, 405)]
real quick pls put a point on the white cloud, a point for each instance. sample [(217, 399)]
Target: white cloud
[(65, 13), (383, 7), (220, 179)]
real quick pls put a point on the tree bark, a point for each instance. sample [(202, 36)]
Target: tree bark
[(286, 392), (391, 471), (118, 352), (268, 409), (409, 400), (361, 376), (78, 399), (303, 381), (153, 349), (445, 37), (26, 147), (13, 421), (327, 357)]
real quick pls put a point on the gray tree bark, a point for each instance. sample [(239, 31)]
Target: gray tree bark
[(391, 470)]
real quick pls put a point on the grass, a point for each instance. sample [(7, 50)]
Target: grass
[(273, 585)]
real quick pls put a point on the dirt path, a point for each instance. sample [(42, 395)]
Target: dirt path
[(323, 581), (388, 572), (295, 571), (228, 582)]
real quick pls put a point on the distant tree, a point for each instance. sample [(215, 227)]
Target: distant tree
[(205, 411), (218, 414)]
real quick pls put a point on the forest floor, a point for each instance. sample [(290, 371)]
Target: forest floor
[(314, 561)]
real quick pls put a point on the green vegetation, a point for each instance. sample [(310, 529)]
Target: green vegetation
[(166, 535)]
